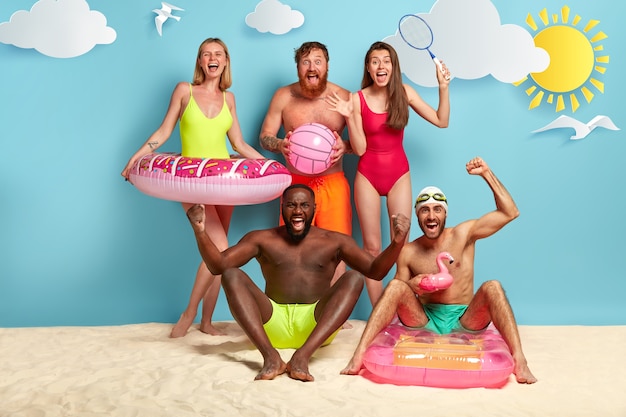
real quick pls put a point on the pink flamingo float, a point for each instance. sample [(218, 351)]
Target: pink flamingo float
[(442, 279)]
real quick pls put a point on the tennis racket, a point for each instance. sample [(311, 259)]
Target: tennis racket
[(418, 35)]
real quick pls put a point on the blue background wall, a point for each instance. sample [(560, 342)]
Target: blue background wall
[(79, 246)]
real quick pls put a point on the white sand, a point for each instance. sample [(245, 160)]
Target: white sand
[(136, 370)]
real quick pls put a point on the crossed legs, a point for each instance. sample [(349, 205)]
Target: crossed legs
[(251, 308)]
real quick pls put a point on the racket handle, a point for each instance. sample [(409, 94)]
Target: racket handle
[(436, 61)]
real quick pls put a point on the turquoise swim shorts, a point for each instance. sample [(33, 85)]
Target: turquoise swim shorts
[(444, 318)]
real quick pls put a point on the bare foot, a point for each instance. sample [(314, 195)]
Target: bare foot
[(208, 328), (184, 323), (271, 368), (523, 375), (353, 368), (299, 370)]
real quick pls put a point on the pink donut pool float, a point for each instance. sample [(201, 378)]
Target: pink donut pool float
[(402, 356), (232, 182)]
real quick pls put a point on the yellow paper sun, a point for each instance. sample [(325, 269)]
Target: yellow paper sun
[(576, 59)]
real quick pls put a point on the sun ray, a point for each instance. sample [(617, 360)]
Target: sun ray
[(601, 70), (598, 48), (587, 94), (576, 20), (531, 90), (543, 15), (590, 25), (560, 104), (531, 22), (536, 101), (550, 99), (603, 59), (520, 82), (565, 14), (599, 36), (597, 84), (574, 102)]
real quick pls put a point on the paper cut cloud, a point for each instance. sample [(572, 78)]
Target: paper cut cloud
[(469, 37), (274, 17), (57, 28)]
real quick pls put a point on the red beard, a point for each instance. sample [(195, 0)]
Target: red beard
[(313, 91)]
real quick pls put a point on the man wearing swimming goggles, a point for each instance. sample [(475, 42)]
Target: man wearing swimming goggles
[(456, 308)]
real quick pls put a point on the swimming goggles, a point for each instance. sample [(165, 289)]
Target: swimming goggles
[(425, 197)]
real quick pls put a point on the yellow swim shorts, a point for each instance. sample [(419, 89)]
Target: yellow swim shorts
[(291, 324)]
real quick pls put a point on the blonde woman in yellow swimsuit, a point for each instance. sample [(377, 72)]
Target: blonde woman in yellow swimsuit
[(207, 115)]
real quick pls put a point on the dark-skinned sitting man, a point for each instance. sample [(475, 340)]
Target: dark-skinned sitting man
[(299, 308)]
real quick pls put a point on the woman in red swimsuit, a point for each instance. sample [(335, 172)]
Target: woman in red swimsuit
[(376, 117)]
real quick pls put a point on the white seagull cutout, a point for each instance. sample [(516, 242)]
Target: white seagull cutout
[(164, 13), (581, 129)]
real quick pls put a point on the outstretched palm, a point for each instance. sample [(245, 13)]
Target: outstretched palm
[(343, 107)]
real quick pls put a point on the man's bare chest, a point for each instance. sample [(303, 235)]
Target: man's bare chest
[(311, 111)]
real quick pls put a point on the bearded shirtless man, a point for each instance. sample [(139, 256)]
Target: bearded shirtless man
[(304, 102)]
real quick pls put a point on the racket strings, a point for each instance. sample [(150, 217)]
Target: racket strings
[(416, 32)]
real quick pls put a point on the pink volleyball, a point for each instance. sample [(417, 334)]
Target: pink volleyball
[(311, 148)]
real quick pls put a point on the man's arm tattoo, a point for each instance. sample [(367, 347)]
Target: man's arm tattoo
[(271, 143), (153, 145)]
